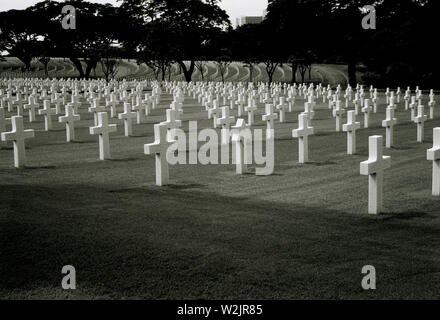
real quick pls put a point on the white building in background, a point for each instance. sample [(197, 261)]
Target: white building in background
[(248, 20)]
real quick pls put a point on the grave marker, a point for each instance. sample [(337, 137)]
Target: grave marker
[(69, 119), (374, 168), (389, 123), (47, 112), (433, 155), (420, 120), (18, 136), (351, 128), (160, 148), (103, 129), (302, 133)]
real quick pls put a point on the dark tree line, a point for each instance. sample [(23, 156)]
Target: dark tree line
[(161, 33)]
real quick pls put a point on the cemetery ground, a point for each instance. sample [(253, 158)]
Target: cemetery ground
[(302, 233)]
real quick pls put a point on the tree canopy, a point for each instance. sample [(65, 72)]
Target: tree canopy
[(298, 33)]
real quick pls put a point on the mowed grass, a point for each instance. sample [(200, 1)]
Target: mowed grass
[(302, 233)]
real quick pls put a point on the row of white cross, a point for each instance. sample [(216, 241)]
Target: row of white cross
[(374, 167)]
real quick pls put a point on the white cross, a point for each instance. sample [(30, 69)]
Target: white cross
[(389, 123), (113, 103), (239, 141), (413, 106), (58, 100), (31, 106), (374, 168), (420, 120), (250, 109), (177, 105), (141, 110), (291, 101), (47, 112), (160, 149), (225, 121), (338, 113), (356, 103), (308, 110), (398, 94), (214, 112), (18, 136), (431, 105), (103, 129), (75, 102), (171, 123), (269, 117), (433, 155), (19, 102), (366, 110), (69, 119), (240, 103), (302, 134), (128, 117), (282, 107), (351, 128), (95, 109)]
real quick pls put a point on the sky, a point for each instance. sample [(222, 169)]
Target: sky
[(235, 8)]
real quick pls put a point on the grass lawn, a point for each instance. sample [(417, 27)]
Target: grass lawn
[(301, 233)]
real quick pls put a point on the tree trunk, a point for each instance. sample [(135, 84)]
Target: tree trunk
[(251, 72), (187, 72), (294, 71), (352, 71), (27, 62), (91, 64), (78, 66)]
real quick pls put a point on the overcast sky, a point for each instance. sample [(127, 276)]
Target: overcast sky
[(235, 8)]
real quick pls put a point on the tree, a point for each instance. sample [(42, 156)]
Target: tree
[(96, 30), (192, 22), (151, 48), (19, 33), (244, 46), (200, 65)]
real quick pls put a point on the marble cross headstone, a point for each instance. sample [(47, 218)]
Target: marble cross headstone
[(47, 112), (239, 141), (282, 107), (95, 109), (338, 113), (160, 149), (366, 111), (18, 136), (128, 117), (172, 123), (225, 121), (31, 106), (251, 109), (433, 155), (103, 129), (374, 168), (269, 117), (69, 119), (214, 112), (389, 123), (351, 128), (420, 120), (302, 133)]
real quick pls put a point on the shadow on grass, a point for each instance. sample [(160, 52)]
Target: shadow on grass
[(158, 243)]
